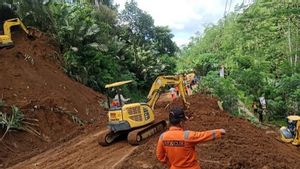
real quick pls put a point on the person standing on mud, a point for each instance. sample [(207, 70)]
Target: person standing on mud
[(256, 111), (176, 147), (173, 93), (254, 106), (260, 113)]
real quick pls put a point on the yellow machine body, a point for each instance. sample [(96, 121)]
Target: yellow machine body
[(190, 76), (291, 133), (136, 114), (140, 116), (5, 39)]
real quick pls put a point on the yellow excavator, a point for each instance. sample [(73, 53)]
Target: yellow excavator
[(190, 76), (5, 39), (137, 119), (291, 133)]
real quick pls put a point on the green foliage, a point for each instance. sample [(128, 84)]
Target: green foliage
[(148, 50), (14, 121), (140, 24), (259, 46), (223, 88), (288, 90), (200, 63), (32, 12), (89, 40), (99, 44)]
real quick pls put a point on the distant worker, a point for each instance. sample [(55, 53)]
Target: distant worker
[(255, 110), (176, 147), (173, 93), (222, 71), (177, 90), (193, 82), (262, 110), (260, 115), (116, 103), (197, 79), (187, 87), (254, 106)]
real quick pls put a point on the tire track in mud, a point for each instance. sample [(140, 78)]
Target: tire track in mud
[(79, 153)]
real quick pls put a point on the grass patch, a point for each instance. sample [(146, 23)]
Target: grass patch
[(17, 121)]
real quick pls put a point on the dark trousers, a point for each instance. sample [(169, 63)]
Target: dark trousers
[(260, 117)]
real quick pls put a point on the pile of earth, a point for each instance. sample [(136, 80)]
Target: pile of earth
[(32, 79), (244, 146)]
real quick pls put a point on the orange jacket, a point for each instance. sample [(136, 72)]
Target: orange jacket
[(177, 147), (115, 103)]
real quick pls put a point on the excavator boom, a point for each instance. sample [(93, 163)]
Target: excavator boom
[(5, 39), (162, 81)]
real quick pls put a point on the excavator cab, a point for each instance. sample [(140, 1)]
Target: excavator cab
[(137, 119), (116, 100), (123, 116), (6, 39), (291, 133)]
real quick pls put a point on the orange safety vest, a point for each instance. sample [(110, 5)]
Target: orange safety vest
[(173, 95), (176, 147), (115, 103)]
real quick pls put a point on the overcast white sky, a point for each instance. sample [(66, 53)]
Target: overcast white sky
[(184, 17)]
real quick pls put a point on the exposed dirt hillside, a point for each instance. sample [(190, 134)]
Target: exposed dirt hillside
[(244, 147), (31, 78)]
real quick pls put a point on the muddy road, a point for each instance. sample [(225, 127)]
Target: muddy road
[(79, 153)]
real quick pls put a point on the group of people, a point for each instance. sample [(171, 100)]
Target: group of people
[(189, 84)]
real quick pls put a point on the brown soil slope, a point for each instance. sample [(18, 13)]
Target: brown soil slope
[(244, 146), (31, 78)]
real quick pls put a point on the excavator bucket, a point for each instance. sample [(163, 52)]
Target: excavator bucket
[(32, 33)]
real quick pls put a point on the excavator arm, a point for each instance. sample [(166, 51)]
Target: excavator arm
[(162, 81), (5, 40), (13, 22)]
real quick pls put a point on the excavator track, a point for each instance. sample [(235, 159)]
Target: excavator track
[(107, 137), (137, 136)]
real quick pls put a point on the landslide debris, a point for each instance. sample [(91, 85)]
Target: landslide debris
[(245, 146), (31, 78)]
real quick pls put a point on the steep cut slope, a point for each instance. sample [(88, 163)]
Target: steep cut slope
[(32, 79)]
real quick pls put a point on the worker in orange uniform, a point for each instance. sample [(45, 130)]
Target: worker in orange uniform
[(176, 147)]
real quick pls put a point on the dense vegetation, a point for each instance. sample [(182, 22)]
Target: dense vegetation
[(100, 44), (259, 47)]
